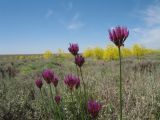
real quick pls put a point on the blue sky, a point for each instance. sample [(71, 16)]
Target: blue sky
[(33, 26)]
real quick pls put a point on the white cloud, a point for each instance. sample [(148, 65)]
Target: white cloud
[(49, 13), (152, 15), (75, 25), (149, 35), (151, 38)]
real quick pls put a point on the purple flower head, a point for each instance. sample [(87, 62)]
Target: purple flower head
[(71, 81), (79, 60), (118, 35), (39, 83), (57, 98), (73, 49), (55, 81), (93, 108), (48, 75)]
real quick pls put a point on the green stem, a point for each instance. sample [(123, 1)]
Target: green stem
[(59, 111), (84, 86), (41, 95), (77, 71), (52, 99), (72, 96), (80, 98), (120, 85), (44, 104), (79, 78), (56, 91)]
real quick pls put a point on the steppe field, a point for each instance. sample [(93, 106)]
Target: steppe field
[(20, 99)]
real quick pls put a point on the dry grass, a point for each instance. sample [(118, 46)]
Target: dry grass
[(141, 87)]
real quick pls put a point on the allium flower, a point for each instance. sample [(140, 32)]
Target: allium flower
[(71, 81), (94, 108), (48, 75), (73, 49), (57, 98), (39, 83), (55, 81), (118, 35), (79, 60)]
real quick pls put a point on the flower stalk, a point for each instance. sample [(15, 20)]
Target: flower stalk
[(120, 82), (84, 86), (52, 98), (118, 35)]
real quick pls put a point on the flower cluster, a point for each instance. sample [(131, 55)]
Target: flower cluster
[(118, 35), (79, 60), (72, 81), (57, 98), (55, 81), (93, 108), (39, 83), (73, 49), (48, 75)]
